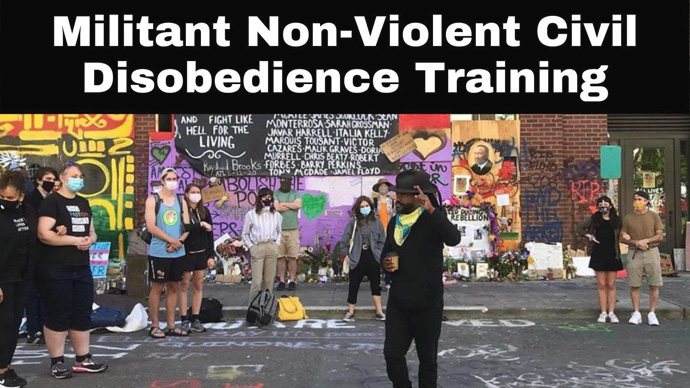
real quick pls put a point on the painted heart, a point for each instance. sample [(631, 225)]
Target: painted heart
[(313, 206), (428, 142), (160, 153)]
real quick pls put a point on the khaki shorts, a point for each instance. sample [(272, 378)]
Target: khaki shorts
[(647, 263), (289, 243)]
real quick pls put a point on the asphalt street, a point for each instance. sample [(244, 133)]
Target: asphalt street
[(491, 353)]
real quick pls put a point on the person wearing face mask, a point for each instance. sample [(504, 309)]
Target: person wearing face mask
[(367, 235), (288, 202), (384, 206), (643, 231), (261, 233), (64, 274), (44, 178), (602, 230), (165, 218), (18, 241), (199, 249), (415, 302)]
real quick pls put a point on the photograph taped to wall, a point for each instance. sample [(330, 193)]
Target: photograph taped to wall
[(478, 234), (461, 184)]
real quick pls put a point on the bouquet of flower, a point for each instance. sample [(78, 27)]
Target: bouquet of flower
[(231, 247), (231, 253)]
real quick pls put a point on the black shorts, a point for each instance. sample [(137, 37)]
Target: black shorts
[(166, 269), (195, 261), (67, 297)]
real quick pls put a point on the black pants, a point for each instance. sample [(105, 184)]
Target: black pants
[(10, 319), (34, 310), (67, 295), (367, 266), (402, 326)]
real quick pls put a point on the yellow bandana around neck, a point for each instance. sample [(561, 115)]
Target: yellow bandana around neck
[(403, 224)]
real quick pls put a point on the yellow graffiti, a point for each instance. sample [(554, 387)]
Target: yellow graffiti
[(105, 174), (50, 127)]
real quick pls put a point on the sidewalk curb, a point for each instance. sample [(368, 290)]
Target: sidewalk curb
[(474, 312)]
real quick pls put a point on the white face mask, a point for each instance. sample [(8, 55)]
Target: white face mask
[(157, 189), (171, 185), (195, 198), (383, 190)]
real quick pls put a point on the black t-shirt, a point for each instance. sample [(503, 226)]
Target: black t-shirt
[(34, 198), (15, 233), (75, 214)]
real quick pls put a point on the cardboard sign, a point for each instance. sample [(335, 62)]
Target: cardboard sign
[(546, 255), (98, 258), (211, 194), (398, 146)]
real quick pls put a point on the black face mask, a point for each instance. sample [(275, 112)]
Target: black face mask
[(604, 210), (267, 203), (9, 205), (47, 186), (285, 186)]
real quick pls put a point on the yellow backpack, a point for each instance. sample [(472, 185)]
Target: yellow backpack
[(290, 309)]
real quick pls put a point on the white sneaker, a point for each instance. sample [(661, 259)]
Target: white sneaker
[(652, 319), (636, 318), (613, 318), (602, 318)]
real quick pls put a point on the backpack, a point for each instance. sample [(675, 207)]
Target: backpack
[(145, 234), (263, 310), (211, 310)]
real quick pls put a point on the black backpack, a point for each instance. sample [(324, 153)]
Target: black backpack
[(145, 234), (263, 310), (211, 310)]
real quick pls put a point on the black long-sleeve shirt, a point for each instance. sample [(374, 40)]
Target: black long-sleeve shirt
[(198, 239), (19, 243), (417, 283)]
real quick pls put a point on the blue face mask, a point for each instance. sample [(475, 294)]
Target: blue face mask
[(365, 210), (75, 184)]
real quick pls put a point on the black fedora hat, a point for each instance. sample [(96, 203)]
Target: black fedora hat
[(381, 182), (285, 176), (406, 181)]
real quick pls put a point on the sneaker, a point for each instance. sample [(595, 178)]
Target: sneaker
[(652, 319), (89, 366), (186, 326), (292, 286), (602, 318), (9, 379), (60, 371), (198, 327), (281, 286), (36, 339), (636, 318), (349, 317), (613, 318), (381, 317)]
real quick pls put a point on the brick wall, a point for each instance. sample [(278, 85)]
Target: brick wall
[(143, 125), (560, 174)]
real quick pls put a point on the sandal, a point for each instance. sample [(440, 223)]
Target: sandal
[(176, 332), (156, 332)]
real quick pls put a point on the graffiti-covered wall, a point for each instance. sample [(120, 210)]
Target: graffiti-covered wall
[(326, 200), (101, 143), (486, 161)]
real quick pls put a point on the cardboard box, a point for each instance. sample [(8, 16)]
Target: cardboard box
[(229, 278)]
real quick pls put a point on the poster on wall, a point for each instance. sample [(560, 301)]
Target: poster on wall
[(103, 144), (472, 224), (486, 162), (299, 144)]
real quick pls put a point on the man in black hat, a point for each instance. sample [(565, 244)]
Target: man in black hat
[(415, 303), (642, 230), (288, 202)]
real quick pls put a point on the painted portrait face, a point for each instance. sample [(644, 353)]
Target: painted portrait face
[(481, 154)]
